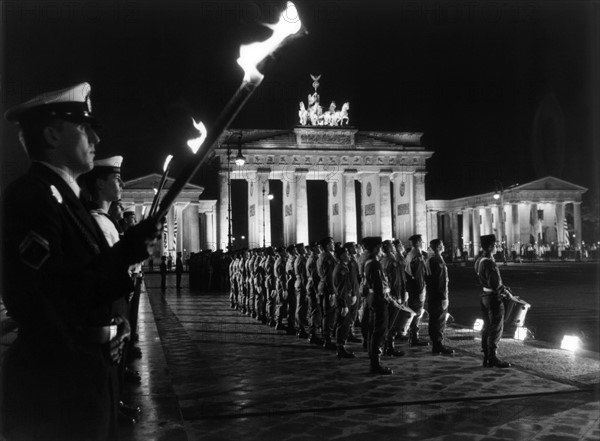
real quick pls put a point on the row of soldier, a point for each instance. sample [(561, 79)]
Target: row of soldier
[(322, 291)]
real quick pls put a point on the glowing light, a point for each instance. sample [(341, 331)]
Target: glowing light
[(570, 343), (167, 162), (496, 195), (253, 53), (270, 197), (478, 326), (521, 333), (196, 143)]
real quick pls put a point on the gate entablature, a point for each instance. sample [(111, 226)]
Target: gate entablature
[(339, 156)]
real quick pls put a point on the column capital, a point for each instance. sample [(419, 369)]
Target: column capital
[(385, 173), (301, 171), (350, 172)]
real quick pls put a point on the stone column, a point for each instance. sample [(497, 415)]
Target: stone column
[(577, 224), (350, 228), (335, 204), (560, 227), (516, 229), (254, 209), (191, 228), (533, 222), (500, 222), (289, 210), (466, 228), (454, 228), (211, 232), (420, 211), (301, 207), (223, 209), (385, 204), (476, 231), (432, 224), (178, 220), (403, 208), (487, 221)]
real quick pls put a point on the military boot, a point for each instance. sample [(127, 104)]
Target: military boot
[(494, 361), (328, 344), (390, 350), (415, 342), (378, 369), (342, 352), (314, 339)]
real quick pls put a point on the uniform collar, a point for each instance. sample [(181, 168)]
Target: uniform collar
[(69, 180)]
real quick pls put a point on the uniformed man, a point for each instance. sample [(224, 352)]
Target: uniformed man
[(377, 304), (415, 285), (104, 186), (270, 286), (437, 297), (344, 300), (281, 299), (325, 266), (389, 265), (355, 278), (300, 287), (312, 292), (492, 306), (290, 278), (59, 280)]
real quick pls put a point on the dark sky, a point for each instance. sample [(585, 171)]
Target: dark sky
[(471, 75)]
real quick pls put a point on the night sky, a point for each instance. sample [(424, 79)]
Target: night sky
[(471, 75)]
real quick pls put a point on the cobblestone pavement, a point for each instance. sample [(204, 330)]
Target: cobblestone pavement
[(209, 373)]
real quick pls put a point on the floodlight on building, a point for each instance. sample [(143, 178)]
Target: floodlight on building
[(270, 197), (497, 195), (570, 343), (478, 326)]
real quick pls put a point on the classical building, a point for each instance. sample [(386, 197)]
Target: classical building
[(191, 222), (534, 212), (390, 167)]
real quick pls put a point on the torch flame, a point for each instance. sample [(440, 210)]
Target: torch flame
[(252, 54), (195, 143), (167, 161)]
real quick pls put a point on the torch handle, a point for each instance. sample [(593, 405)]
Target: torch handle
[(233, 107), (161, 185)]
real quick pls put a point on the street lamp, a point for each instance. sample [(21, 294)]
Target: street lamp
[(499, 196), (239, 161)]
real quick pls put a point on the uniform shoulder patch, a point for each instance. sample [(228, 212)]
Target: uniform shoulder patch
[(34, 250)]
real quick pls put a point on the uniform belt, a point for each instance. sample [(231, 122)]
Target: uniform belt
[(101, 334), (488, 290)]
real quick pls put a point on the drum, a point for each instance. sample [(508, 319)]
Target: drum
[(515, 312), (402, 318)]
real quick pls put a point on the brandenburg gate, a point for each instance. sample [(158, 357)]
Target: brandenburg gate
[(390, 167)]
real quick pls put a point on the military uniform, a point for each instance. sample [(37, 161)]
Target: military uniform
[(301, 299), (342, 284), (437, 301), (291, 290), (59, 280), (376, 305), (492, 306), (314, 306), (390, 268), (415, 286), (325, 266), (281, 304)]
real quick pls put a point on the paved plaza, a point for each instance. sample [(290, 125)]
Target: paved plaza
[(209, 373)]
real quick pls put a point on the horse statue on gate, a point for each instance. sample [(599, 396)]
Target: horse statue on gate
[(342, 115), (303, 114)]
